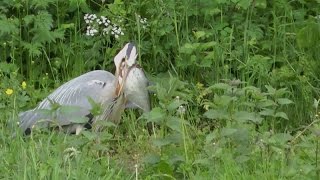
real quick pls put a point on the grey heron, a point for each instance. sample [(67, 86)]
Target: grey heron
[(113, 92)]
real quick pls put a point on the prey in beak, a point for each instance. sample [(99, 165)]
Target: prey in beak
[(124, 61)]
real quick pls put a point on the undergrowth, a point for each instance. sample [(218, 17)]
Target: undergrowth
[(235, 88)]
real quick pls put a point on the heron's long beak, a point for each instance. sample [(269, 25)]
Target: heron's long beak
[(126, 63)]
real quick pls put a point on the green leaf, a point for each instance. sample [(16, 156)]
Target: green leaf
[(227, 132), (161, 142), (89, 135), (78, 119), (210, 137), (216, 114), (174, 123), (199, 34), (267, 112), (282, 115), (68, 109), (247, 116), (222, 86), (155, 115), (284, 101), (270, 89), (152, 158)]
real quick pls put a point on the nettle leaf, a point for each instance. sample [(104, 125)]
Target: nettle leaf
[(161, 142), (216, 114), (282, 115), (247, 116), (175, 104), (284, 101), (174, 123), (89, 135), (227, 132), (155, 115), (189, 48), (78, 119), (222, 86), (152, 158), (267, 112), (65, 109), (270, 89)]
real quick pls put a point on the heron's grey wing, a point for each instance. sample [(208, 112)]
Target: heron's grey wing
[(97, 85), (136, 89)]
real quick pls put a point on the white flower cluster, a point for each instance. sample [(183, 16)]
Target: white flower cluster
[(143, 21), (95, 23)]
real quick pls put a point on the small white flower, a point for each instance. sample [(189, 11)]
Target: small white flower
[(116, 36), (181, 109)]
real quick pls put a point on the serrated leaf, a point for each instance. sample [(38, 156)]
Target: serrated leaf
[(8, 26), (228, 132), (161, 142), (210, 137), (155, 115), (247, 116), (216, 114), (282, 115), (174, 123), (151, 158), (270, 89), (284, 101), (89, 135), (79, 120), (66, 109), (222, 86), (175, 104), (267, 112)]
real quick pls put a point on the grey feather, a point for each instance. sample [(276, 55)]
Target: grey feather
[(98, 85)]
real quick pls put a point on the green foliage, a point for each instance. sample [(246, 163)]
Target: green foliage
[(235, 88)]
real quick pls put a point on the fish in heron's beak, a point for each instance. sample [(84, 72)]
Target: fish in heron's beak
[(125, 59)]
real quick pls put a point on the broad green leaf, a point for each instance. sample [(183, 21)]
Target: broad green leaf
[(66, 109), (155, 115), (216, 114), (210, 137), (228, 132), (222, 86), (78, 119), (282, 115), (267, 112), (247, 116), (174, 105), (152, 158), (89, 135), (284, 101), (174, 123), (270, 89), (161, 142)]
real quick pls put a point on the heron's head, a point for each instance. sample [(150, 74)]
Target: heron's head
[(124, 60)]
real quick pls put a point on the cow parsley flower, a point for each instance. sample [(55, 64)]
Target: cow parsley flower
[(101, 24)]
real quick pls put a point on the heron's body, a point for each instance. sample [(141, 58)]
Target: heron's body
[(70, 106), (98, 85)]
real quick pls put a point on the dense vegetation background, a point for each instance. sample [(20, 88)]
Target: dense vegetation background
[(235, 87)]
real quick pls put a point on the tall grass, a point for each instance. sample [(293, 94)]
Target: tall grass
[(234, 94)]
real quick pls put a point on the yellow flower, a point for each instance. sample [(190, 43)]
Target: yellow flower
[(23, 84), (9, 91)]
